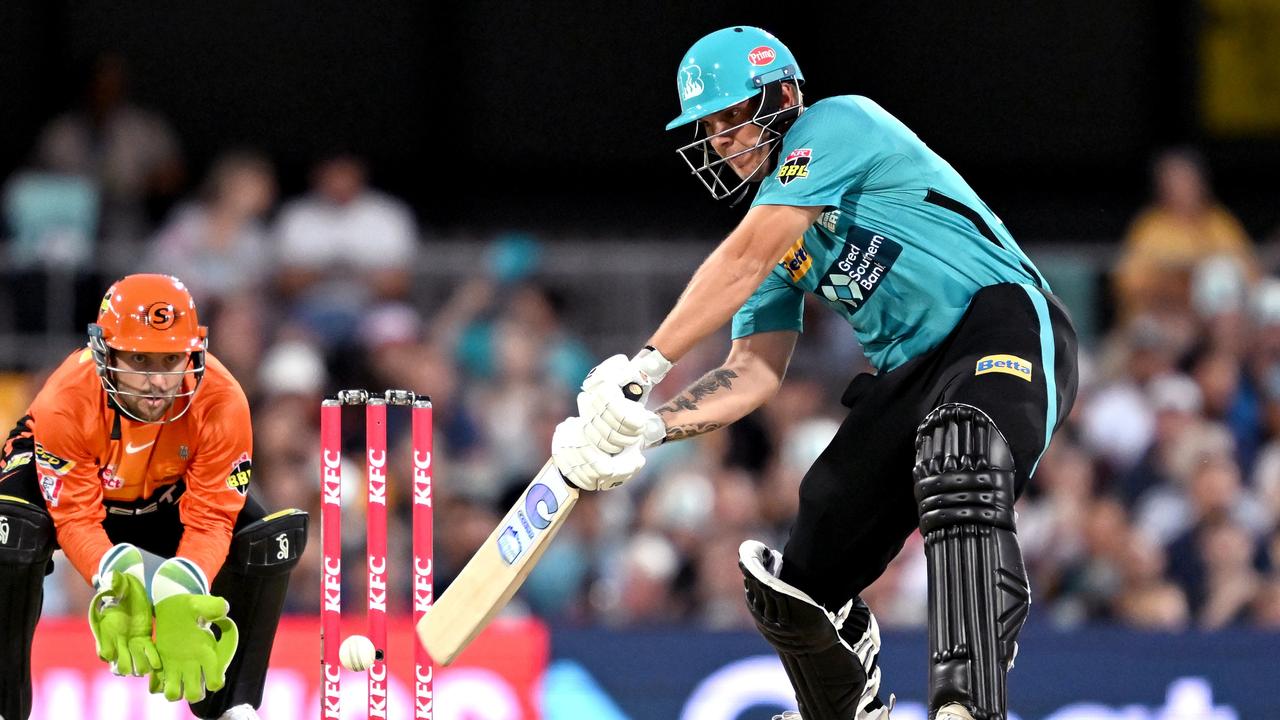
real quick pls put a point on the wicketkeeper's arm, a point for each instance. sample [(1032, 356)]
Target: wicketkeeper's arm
[(750, 375)]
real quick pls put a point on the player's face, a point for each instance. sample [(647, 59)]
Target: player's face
[(733, 136), (148, 382)]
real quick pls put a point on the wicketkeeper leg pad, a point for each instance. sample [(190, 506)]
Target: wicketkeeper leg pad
[(254, 581), (26, 545), (978, 589), (831, 658)]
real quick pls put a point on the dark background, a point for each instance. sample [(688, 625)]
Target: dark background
[(488, 115)]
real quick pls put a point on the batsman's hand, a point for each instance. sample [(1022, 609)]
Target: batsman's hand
[(195, 660), (587, 466), (613, 420), (120, 617)]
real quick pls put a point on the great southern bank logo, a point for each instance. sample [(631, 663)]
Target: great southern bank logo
[(864, 261)]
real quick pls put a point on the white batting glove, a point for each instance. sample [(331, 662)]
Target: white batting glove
[(587, 466), (615, 422)]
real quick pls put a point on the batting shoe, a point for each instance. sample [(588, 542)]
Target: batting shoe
[(953, 711), (880, 713), (240, 712)]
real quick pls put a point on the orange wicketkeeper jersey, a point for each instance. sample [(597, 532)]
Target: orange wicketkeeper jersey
[(87, 454)]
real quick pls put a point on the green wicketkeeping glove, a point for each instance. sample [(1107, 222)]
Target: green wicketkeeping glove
[(120, 614), (194, 659)]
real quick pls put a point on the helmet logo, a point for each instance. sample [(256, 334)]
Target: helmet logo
[(762, 55), (161, 315), (690, 82)]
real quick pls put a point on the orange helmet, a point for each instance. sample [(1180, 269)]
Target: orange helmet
[(148, 313)]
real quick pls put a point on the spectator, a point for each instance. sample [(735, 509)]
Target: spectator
[(1091, 584), (1147, 600), (218, 243), (1177, 402), (1117, 422), (1052, 514), (131, 154), (1219, 297), (1232, 584), (1206, 484), (343, 247), (1182, 227), (639, 591), (504, 292)]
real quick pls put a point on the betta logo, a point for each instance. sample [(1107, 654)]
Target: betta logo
[(797, 261), (1007, 364), (761, 56), (161, 315)]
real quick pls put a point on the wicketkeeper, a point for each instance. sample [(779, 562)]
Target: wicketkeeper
[(976, 367), (135, 458)]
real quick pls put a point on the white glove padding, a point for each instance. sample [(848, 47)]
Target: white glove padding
[(615, 421), (587, 466), (646, 369)]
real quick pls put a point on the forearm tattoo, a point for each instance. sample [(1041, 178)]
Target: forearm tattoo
[(681, 432), (714, 381), (711, 382)]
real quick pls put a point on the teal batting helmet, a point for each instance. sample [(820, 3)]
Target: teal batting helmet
[(723, 69), (727, 67)]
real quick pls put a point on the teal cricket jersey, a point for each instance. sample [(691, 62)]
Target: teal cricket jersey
[(903, 246)]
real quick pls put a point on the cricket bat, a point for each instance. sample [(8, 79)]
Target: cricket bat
[(499, 567), (501, 564)]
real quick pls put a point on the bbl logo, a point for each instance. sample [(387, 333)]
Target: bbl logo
[(241, 472), (796, 166), (161, 315)]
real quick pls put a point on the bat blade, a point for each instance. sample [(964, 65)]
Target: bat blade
[(499, 567)]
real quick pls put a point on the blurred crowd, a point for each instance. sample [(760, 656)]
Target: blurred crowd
[(1157, 506)]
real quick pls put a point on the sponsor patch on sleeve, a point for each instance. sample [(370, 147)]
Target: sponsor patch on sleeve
[(46, 460), (241, 472), (796, 166), (797, 261), (50, 486), (1007, 364), (16, 461)]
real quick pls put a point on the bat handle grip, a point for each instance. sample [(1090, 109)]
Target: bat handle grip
[(632, 391)]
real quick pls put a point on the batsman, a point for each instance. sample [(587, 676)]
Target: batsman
[(135, 458), (975, 368)]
